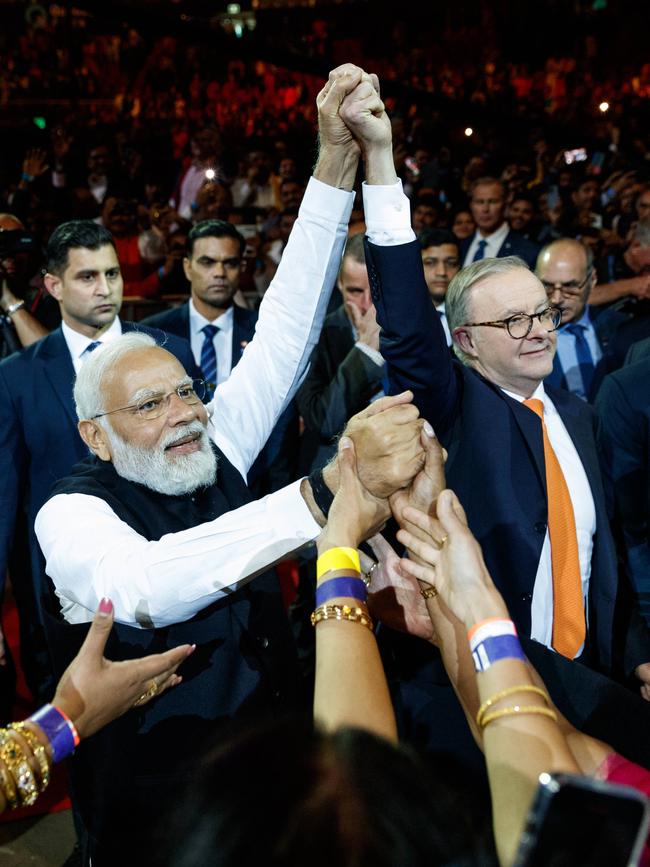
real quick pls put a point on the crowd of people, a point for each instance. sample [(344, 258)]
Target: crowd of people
[(485, 296)]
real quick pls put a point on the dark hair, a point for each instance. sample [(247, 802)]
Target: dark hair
[(214, 229), (436, 237), (286, 795), (524, 196), (354, 249), (427, 200), (71, 235)]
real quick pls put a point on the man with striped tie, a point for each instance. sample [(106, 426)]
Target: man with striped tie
[(39, 443)]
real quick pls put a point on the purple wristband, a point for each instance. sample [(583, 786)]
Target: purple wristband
[(494, 648), (57, 730), (350, 586)]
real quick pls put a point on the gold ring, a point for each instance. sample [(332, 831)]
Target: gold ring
[(151, 691), (430, 592)]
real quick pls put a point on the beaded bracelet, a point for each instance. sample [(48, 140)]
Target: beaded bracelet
[(342, 612), (519, 709), (512, 690), (8, 787)]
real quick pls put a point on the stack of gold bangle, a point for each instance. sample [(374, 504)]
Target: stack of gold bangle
[(18, 782), (483, 718)]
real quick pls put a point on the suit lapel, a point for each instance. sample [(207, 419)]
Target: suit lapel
[(58, 370), (577, 421)]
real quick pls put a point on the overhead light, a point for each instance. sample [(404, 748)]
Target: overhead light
[(604, 106), (469, 131)]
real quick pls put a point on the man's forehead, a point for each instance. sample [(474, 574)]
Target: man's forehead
[(500, 295), (212, 246), (82, 258), (492, 191), (441, 251), (565, 258), (150, 368)]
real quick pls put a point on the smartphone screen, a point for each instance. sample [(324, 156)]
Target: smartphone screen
[(577, 155), (575, 820)]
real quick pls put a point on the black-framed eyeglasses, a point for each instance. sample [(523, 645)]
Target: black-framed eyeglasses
[(520, 325), (569, 288), (152, 406)]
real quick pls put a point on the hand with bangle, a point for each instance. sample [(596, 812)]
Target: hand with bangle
[(91, 693)]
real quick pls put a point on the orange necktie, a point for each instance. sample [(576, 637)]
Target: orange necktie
[(568, 606)]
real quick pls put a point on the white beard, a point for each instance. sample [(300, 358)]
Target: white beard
[(153, 468)]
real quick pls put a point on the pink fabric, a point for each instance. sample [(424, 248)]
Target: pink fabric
[(616, 769)]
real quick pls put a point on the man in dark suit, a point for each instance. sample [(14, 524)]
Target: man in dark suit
[(566, 270), (623, 406), (503, 455), (39, 443), (346, 368), (219, 330), (493, 237)]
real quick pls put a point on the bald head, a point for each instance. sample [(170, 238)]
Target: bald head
[(9, 223), (566, 270)]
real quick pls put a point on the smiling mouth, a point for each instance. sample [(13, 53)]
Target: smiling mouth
[(187, 444)]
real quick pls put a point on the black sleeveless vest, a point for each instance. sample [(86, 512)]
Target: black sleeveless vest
[(127, 775)]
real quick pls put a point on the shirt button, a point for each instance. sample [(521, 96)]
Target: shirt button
[(526, 597), (263, 641), (540, 527)]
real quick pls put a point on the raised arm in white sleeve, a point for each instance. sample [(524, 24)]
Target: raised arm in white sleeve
[(247, 406), (167, 581)]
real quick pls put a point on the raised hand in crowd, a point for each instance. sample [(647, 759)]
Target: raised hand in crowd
[(34, 165)]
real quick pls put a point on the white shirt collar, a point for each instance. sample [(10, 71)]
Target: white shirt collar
[(78, 343), (198, 321), (496, 239), (538, 394)]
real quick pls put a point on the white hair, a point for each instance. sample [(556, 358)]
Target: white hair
[(88, 394)]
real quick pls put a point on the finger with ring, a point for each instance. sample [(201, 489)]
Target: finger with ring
[(151, 691)]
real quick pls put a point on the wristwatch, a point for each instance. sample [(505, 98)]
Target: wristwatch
[(13, 307)]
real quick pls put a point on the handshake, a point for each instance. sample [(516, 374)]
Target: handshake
[(388, 459)]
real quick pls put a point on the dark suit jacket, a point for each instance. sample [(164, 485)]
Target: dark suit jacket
[(623, 405), (341, 381), (514, 245), (275, 466), (638, 350), (39, 441), (496, 457)]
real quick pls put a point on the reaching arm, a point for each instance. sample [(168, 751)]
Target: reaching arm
[(248, 405)]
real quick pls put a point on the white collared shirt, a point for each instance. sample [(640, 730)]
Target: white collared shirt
[(584, 511), (494, 242), (78, 343), (443, 319), (91, 553), (222, 340)]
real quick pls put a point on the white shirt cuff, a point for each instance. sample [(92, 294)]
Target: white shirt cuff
[(329, 203), (291, 510), (373, 354), (388, 214)]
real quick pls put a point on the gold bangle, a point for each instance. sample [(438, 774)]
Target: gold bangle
[(524, 687), (430, 593), (8, 787), (518, 709), (342, 612), (38, 749), (338, 558), (13, 756)]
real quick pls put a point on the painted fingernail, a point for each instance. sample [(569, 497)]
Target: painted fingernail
[(191, 650), (429, 431), (105, 606)]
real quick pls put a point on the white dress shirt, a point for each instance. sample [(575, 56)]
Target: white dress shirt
[(494, 242), (584, 512), (91, 553), (443, 320), (78, 343), (222, 340)]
